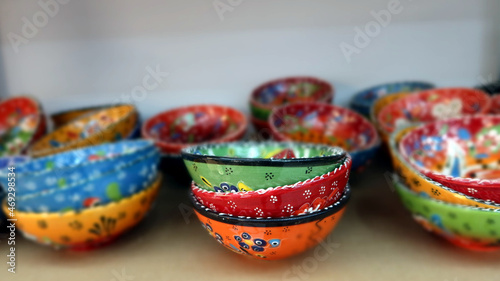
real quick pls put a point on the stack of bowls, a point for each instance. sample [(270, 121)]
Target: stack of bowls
[(448, 176), (86, 197), (284, 91), (266, 199)]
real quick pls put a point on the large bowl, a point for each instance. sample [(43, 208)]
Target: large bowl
[(256, 165), (433, 105), (271, 239), (363, 101), (106, 125), (462, 153), (284, 201), (182, 127), (88, 228), (469, 227), (327, 124)]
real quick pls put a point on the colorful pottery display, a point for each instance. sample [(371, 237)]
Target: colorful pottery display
[(433, 105), (377, 106), (363, 101), (21, 123), (88, 228), (271, 239), (327, 124), (461, 153), (176, 129), (106, 125), (464, 226), (291, 200), (495, 104), (247, 166)]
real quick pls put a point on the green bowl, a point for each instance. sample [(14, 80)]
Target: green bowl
[(247, 166), (465, 226)]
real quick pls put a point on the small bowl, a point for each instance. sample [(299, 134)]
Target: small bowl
[(106, 125), (327, 124), (256, 165), (468, 227), (461, 153), (182, 127), (88, 228), (377, 106), (275, 202), (495, 100), (432, 105), (21, 123), (271, 239), (364, 100)]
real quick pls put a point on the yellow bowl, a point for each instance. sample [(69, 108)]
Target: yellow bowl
[(106, 125), (378, 106), (89, 228)]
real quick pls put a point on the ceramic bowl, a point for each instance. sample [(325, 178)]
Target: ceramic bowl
[(290, 200), (255, 165), (70, 167), (288, 90), (495, 107), (176, 129), (468, 227), (421, 184), (88, 228), (377, 106), (432, 105), (120, 183), (363, 101), (274, 238), (327, 124), (5, 163), (106, 125), (462, 153), (21, 123)]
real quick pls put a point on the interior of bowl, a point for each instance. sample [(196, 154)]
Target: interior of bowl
[(369, 96), (433, 105), (467, 147)]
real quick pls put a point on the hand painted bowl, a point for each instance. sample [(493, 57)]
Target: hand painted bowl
[(290, 200), (432, 105), (88, 228), (377, 106), (21, 123), (462, 153), (495, 107), (5, 164), (363, 101), (255, 165), (421, 184), (468, 227), (288, 90), (176, 129), (113, 186), (271, 239), (70, 167), (106, 125), (327, 124)]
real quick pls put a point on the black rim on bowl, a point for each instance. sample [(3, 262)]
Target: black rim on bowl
[(273, 222)]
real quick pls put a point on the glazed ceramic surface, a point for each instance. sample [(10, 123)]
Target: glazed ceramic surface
[(5, 163), (469, 227), (495, 107), (284, 201), (255, 165), (89, 228), (432, 105), (271, 239), (327, 124), (461, 153), (106, 125), (181, 127), (363, 101), (377, 106)]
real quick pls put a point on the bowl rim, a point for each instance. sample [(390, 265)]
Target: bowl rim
[(356, 102), (189, 155)]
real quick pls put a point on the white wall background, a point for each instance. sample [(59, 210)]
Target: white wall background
[(95, 51)]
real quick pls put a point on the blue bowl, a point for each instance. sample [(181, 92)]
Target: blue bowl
[(126, 180), (363, 101), (5, 163), (67, 168)]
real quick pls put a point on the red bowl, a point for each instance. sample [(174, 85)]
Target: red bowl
[(176, 129), (432, 105), (495, 106), (284, 201), (461, 153)]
